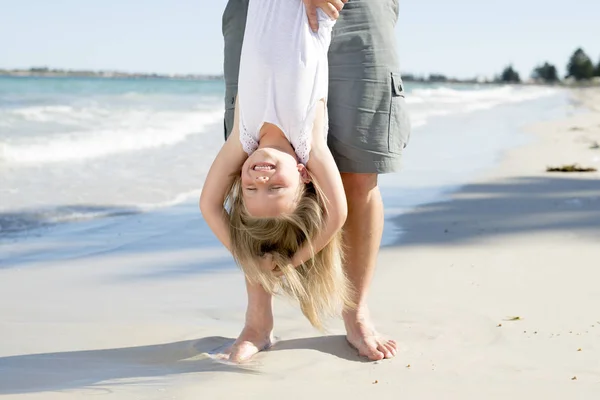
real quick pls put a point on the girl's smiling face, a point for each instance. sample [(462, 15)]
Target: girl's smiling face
[(271, 182)]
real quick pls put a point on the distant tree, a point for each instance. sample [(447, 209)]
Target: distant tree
[(437, 78), (39, 69), (509, 75), (580, 66), (546, 73), (413, 78), (597, 71)]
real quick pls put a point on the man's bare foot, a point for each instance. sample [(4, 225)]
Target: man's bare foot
[(362, 335), (250, 342)]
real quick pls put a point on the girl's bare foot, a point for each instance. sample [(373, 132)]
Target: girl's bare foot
[(256, 335), (250, 342)]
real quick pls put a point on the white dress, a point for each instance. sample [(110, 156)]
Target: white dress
[(283, 72)]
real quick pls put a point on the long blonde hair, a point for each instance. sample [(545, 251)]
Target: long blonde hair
[(320, 284)]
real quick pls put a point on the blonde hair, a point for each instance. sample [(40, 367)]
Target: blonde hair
[(319, 284)]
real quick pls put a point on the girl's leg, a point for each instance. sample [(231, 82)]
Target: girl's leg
[(257, 333)]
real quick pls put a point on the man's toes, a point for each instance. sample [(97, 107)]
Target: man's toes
[(375, 355), (372, 351), (381, 346), (390, 350)]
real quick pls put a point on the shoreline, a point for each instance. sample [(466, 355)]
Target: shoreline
[(116, 75), (106, 75), (110, 309)]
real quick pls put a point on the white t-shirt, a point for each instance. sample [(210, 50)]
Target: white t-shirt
[(283, 72)]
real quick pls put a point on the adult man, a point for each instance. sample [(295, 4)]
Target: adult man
[(368, 129)]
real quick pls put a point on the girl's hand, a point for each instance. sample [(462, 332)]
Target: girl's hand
[(267, 264), (331, 7)]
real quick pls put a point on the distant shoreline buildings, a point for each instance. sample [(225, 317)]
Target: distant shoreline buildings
[(580, 71), (45, 72), (42, 72)]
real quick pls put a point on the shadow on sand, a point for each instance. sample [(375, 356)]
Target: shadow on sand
[(524, 205), (89, 369), (78, 369)]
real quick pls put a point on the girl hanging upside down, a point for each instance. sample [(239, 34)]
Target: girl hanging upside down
[(273, 195)]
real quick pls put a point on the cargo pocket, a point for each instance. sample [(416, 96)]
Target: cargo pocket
[(399, 127)]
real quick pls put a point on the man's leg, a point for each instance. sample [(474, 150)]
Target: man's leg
[(257, 333), (368, 129), (362, 237)]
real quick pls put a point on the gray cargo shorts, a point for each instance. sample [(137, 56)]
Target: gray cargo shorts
[(368, 121)]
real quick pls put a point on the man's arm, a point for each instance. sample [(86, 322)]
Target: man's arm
[(331, 7)]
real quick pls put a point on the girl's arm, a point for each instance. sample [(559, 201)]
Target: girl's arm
[(325, 171), (228, 161)]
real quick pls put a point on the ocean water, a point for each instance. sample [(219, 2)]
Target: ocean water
[(75, 149)]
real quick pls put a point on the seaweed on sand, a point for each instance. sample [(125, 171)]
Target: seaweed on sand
[(570, 168)]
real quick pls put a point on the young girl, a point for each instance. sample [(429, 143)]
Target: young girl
[(273, 195)]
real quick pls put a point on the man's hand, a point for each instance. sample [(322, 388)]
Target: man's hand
[(331, 7)]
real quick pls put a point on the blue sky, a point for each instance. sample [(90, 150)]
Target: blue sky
[(460, 38)]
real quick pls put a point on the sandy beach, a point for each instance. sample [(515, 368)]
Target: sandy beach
[(492, 293)]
